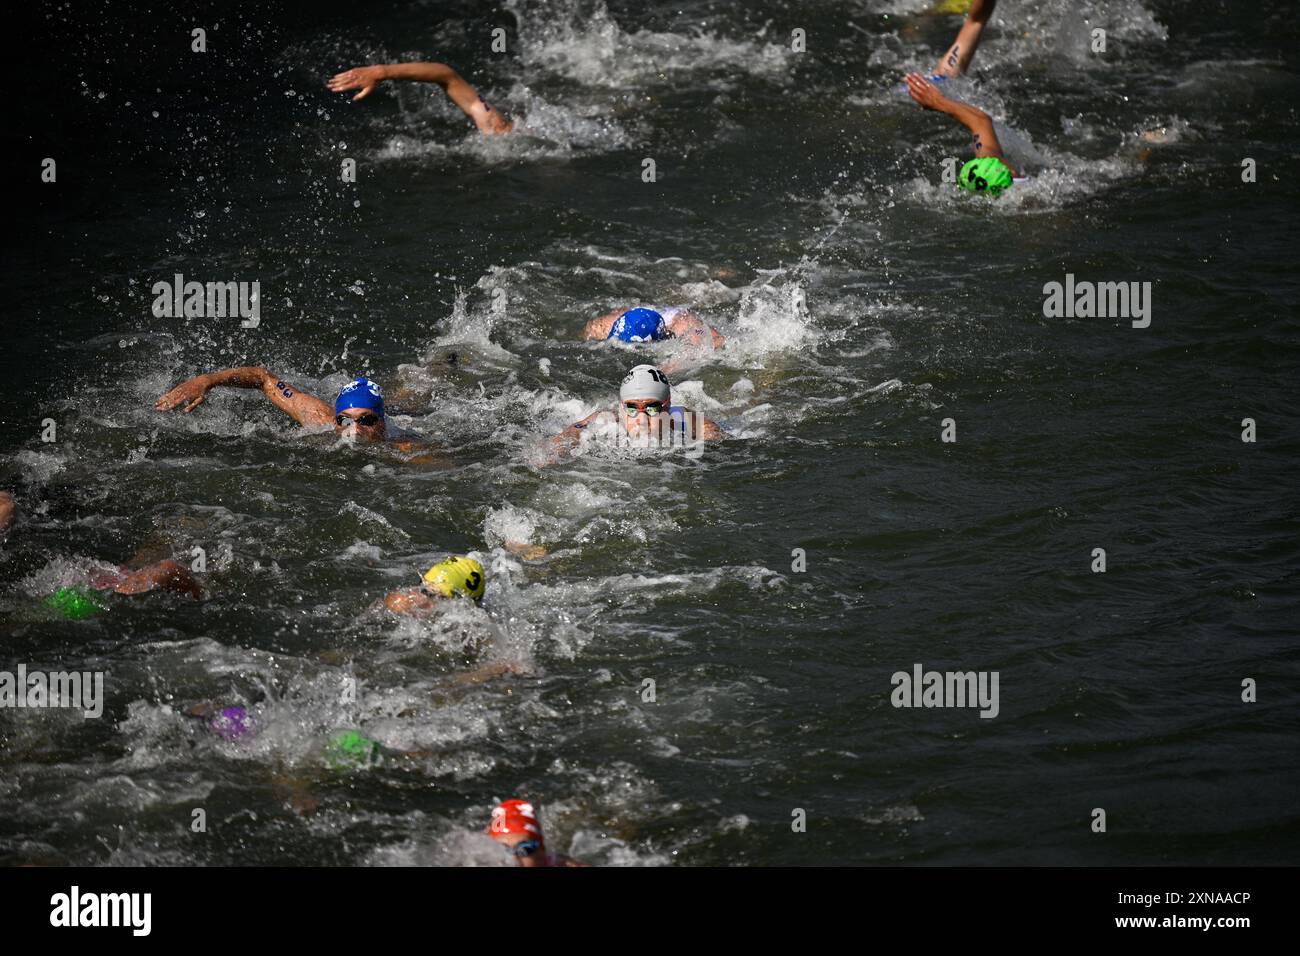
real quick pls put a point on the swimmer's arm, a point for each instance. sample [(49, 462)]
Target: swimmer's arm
[(418, 449), (973, 118), (167, 575), (489, 671), (689, 326), (303, 408), (8, 508), (529, 552), (563, 443), (711, 430), (957, 59), (365, 78), (599, 328), (704, 429)]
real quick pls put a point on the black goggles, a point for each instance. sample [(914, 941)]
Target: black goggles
[(365, 421)]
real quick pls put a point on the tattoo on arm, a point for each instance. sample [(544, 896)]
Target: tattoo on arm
[(953, 55), (285, 390)]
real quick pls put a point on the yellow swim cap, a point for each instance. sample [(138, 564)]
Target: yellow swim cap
[(457, 575)]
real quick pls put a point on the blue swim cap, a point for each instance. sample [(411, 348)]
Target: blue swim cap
[(639, 325), (360, 393)]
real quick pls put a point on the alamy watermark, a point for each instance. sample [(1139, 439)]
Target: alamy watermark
[(56, 689), (75, 908), (922, 688), (208, 300), (1098, 300)]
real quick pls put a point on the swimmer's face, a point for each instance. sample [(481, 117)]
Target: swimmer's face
[(360, 424), (525, 848), (641, 415)]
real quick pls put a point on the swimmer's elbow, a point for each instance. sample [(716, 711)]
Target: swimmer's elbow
[(441, 73)]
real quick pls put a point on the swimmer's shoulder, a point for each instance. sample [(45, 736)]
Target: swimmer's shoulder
[(701, 425)]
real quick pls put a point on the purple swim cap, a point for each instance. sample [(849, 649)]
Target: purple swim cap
[(231, 724)]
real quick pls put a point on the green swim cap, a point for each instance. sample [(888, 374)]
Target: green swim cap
[(349, 750), (74, 603), (988, 174)]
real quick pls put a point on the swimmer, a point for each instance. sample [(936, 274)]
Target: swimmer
[(353, 750), (457, 576), (644, 406), (162, 575), (653, 323), (344, 750), (989, 172), (79, 602), (490, 121), (516, 827), (230, 723), (358, 413)]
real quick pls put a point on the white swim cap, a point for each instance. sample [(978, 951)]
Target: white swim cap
[(644, 381)]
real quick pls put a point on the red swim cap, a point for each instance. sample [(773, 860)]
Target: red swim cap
[(515, 816)]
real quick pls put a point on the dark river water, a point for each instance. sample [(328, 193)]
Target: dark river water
[(798, 205)]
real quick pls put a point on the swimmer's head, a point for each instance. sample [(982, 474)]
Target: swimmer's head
[(987, 174), (348, 750), (359, 410), (231, 723), (639, 325), (515, 826), (75, 604), (644, 381), (456, 575), (643, 397)]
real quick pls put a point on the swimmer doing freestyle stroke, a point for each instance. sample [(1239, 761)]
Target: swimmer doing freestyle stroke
[(490, 121), (990, 172)]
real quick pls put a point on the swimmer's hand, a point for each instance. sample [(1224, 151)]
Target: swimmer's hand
[(529, 552), (363, 78), (189, 393), (925, 93), (487, 672)]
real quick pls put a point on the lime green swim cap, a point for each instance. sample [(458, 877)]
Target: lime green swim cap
[(349, 750), (988, 174), (74, 603)]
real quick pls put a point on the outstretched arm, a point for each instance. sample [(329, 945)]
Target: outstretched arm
[(974, 119), (303, 408), (364, 78), (962, 51)]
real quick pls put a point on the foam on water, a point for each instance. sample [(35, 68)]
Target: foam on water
[(829, 263), (581, 41)]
